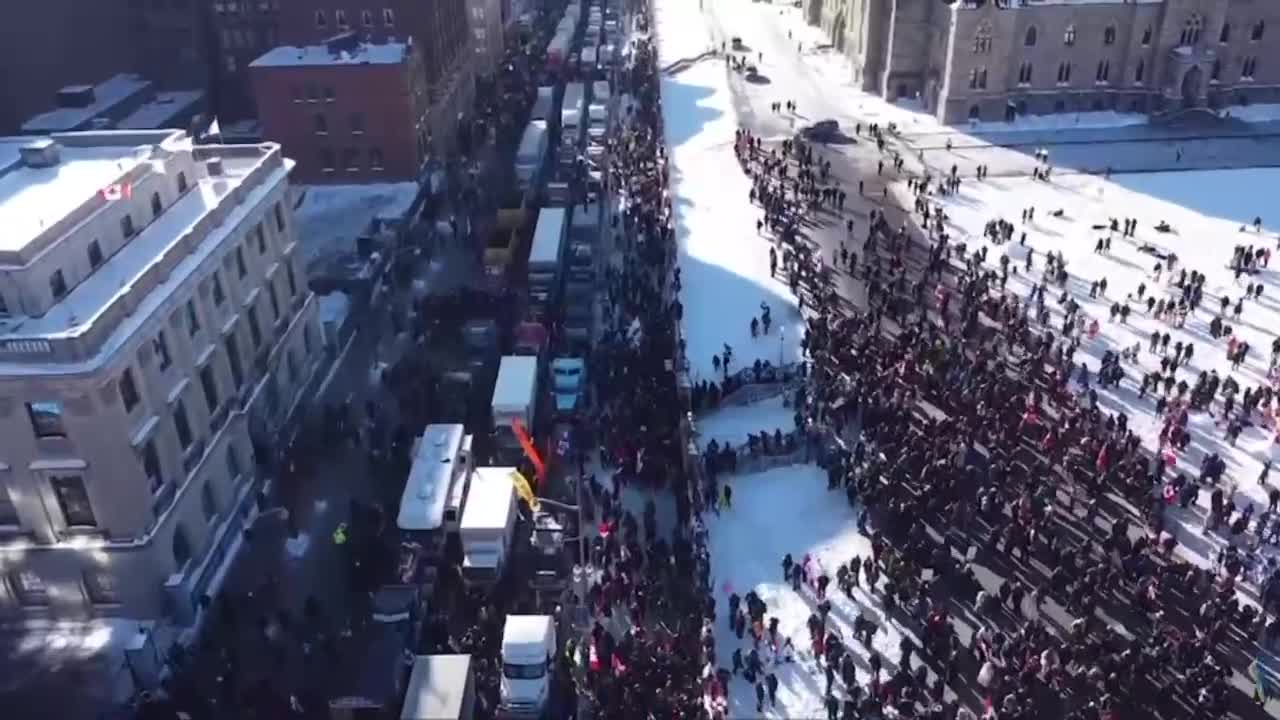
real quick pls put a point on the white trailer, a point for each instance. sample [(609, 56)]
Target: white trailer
[(571, 110), (514, 397), (548, 248), (488, 524), (532, 153)]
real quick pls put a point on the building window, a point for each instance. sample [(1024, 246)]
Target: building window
[(260, 236), (161, 348), (128, 390), (1224, 36), (321, 124), (1030, 39), (182, 183), (181, 548), (28, 588), (1064, 73), (1139, 72), (233, 359), (1146, 37), (1215, 73), (982, 40), (1069, 37), (73, 501), (8, 510), (275, 301), (1259, 29), (230, 62), (209, 385), (978, 79), (291, 361), (4, 307), (321, 20), (1024, 74), (279, 217), (293, 280), (340, 19), (375, 158), (357, 124), (307, 341), (218, 294), (95, 254), (233, 462), (182, 424), (366, 18), (1109, 35), (1191, 30), (313, 93), (58, 284), (241, 269), (328, 94), (388, 17), (326, 159), (46, 418), (101, 587), (151, 467), (351, 159), (208, 503), (126, 226), (1248, 68), (156, 206), (1104, 71), (255, 330)]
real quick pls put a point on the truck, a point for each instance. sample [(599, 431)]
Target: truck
[(515, 394), (531, 155), (571, 111), (600, 93), (528, 659), (558, 49), (598, 122), (544, 105), (488, 525), (546, 252), (568, 379), (501, 246), (441, 687), (429, 505), (590, 59)]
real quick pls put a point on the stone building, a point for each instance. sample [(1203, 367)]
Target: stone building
[(154, 323), (999, 60)]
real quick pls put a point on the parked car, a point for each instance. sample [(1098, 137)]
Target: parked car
[(822, 131)]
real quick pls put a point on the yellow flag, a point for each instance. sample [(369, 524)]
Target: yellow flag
[(523, 489)]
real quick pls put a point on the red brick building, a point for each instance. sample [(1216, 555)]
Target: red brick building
[(346, 111), (440, 33)]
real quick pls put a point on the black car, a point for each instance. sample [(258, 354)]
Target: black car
[(823, 131)]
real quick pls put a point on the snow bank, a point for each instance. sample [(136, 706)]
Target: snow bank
[(789, 510), (724, 262)]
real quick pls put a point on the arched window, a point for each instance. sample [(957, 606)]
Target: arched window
[(1104, 71), (182, 182), (1258, 31), (1139, 72), (975, 112), (1109, 35), (1215, 74), (982, 39), (1191, 30), (1224, 36), (1024, 74), (181, 548), (1069, 37), (1030, 39), (208, 503), (156, 207)]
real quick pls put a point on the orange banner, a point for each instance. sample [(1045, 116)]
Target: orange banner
[(531, 452)]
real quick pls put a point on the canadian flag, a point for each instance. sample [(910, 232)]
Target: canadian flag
[(117, 191)]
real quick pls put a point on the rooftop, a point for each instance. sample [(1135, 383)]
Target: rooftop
[(104, 96), (32, 199), (167, 109), (343, 50), (151, 266)]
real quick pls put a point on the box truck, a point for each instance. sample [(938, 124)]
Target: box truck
[(488, 525)]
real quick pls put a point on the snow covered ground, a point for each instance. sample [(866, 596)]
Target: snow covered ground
[(789, 510), (732, 425), (724, 262), (1203, 240), (331, 217)]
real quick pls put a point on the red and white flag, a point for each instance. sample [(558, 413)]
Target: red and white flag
[(117, 191)]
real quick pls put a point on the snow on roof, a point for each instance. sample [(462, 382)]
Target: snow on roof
[(489, 501), (32, 199), (517, 379), (430, 478), (166, 109), (106, 95), (75, 313), (390, 53), (330, 217)]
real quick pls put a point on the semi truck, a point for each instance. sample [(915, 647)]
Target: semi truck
[(571, 112), (544, 105), (528, 660), (546, 253), (531, 155), (515, 395), (488, 525)]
